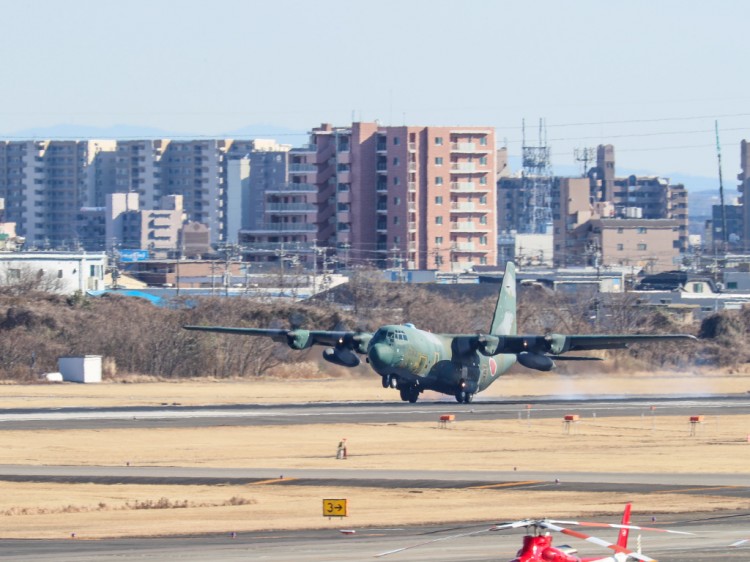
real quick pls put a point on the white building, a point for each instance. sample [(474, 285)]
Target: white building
[(60, 272)]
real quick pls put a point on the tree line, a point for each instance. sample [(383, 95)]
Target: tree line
[(135, 337)]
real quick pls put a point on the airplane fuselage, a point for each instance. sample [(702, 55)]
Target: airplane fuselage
[(414, 360)]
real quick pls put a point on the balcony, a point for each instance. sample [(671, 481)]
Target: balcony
[(382, 208), (463, 226), (412, 225), (467, 167), (412, 166), (382, 168), (289, 188), (292, 208), (463, 207), (381, 187), (463, 186), (412, 147), (469, 147), (343, 217), (286, 227), (412, 185), (302, 168), (463, 247)]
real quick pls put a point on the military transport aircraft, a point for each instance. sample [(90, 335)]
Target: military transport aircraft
[(413, 360)]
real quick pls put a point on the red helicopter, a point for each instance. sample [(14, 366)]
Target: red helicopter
[(537, 544)]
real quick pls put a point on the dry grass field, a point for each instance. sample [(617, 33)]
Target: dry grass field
[(636, 444)]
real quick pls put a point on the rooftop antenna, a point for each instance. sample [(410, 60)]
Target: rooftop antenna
[(724, 237)]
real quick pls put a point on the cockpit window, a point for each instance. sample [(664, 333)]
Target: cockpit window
[(390, 336), (401, 336)]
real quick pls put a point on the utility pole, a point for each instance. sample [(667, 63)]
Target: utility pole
[(585, 155), (724, 236)]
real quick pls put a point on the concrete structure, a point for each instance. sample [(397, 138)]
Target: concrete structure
[(130, 227), (744, 189), (45, 183), (432, 190), (85, 369), (60, 272)]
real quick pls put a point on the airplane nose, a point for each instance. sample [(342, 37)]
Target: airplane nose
[(380, 356)]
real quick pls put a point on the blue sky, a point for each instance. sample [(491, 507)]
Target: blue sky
[(649, 77)]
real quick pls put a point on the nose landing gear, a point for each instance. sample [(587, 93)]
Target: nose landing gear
[(464, 397)]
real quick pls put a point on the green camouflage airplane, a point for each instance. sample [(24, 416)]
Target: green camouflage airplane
[(413, 360)]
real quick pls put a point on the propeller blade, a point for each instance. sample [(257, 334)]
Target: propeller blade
[(595, 540), (429, 542), (740, 542)]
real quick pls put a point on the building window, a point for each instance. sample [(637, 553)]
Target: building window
[(483, 161), (395, 220), (438, 220), (642, 230), (438, 161), (483, 141), (620, 247), (483, 200), (620, 230), (396, 140), (439, 180), (483, 240), (395, 181), (439, 200), (397, 200), (439, 141), (438, 240), (642, 247), (483, 219), (483, 180), (395, 160)]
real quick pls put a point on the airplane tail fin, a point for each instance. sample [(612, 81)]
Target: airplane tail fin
[(622, 537), (504, 319)]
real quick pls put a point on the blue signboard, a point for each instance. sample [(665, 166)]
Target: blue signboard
[(133, 255)]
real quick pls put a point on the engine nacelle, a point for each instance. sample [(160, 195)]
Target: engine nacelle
[(536, 361), (362, 342), (341, 356), (299, 339)]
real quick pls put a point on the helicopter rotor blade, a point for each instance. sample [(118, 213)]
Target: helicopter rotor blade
[(595, 540), (429, 542), (618, 526)]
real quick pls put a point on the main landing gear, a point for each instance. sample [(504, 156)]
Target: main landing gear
[(409, 393), (390, 381), (463, 397)]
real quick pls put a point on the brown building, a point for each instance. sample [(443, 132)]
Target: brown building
[(413, 197)]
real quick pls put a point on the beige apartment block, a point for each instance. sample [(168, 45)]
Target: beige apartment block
[(648, 244), (45, 183)]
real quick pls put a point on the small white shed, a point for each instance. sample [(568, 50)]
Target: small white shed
[(87, 368)]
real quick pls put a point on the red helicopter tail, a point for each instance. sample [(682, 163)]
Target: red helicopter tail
[(622, 537)]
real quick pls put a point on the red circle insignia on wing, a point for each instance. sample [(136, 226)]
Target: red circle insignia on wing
[(493, 367)]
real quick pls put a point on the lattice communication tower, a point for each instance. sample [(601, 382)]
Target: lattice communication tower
[(537, 184)]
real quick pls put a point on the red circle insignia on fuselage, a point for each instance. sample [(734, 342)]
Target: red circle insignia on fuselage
[(493, 367)]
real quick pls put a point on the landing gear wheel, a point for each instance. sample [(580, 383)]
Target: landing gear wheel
[(463, 397), (385, 381), (392, 381), (409, 394)]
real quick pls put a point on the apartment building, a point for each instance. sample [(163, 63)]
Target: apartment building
[(387, 196), (744, 188), (45, 183), (130, 227)]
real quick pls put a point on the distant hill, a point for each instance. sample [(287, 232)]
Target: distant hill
[(284, 135)]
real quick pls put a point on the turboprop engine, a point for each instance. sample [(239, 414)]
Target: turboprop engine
[(341, 356), (299, 339), (536, 361)]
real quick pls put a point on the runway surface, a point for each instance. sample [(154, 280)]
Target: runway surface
[(364, 412), (710, 543)]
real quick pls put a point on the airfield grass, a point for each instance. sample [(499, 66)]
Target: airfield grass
[(642, 443)]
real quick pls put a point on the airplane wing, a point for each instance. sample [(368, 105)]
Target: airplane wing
[(539, 352), (297, 339), (343, 345)]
